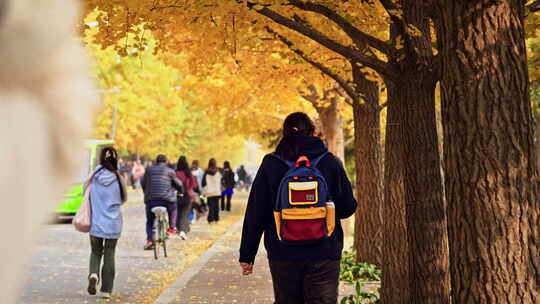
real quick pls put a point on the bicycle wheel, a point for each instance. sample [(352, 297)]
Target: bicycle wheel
[(157, 229), (165, 248), (165, 236)]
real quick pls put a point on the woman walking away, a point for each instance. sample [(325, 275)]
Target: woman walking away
[(137, 172), (211, 184), (228, 184), (197, 172), (301, 225), (107, 193), (183, 171)]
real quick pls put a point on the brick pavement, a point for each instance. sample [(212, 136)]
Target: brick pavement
[(217, 278)]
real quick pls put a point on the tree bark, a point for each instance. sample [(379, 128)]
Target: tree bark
[(332, 126), (537, 137), (368, 220), (429, 279), (395, 262), (490, 157)]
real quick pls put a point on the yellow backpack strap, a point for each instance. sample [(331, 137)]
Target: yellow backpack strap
[(277, 219), (330, 217)]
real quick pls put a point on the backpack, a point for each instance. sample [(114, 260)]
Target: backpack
[(304, 212)]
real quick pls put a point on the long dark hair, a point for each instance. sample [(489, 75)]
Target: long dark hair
[(183, 165), (212, 166), (295, 125), (109, 160), (227, 165)]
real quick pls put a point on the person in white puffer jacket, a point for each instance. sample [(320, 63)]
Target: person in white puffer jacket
[(211, 185)]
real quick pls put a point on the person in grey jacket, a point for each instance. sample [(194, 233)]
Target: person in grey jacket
[(160, 185), (107, 194)]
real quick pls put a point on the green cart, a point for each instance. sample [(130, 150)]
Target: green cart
[(73, 199)]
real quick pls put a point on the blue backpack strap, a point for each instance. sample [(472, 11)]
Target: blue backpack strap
[(318, 159), (289, 163)]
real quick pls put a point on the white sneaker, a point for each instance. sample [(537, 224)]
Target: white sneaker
[(93, 280), (105, 295), (183, 235)]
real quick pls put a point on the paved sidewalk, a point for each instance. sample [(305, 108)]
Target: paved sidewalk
[(59, 267), (217, 277)]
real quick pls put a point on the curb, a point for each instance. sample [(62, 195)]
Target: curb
[(170, 293)]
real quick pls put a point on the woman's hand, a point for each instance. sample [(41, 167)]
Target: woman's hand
[(247, 269)]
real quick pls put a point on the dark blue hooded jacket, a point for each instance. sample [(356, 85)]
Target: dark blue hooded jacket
[(259, 218)]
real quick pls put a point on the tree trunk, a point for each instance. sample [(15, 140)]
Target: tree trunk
[(395, 262), (332, 126), (490, 157), (429, 279), (368, 220), (537, 137)]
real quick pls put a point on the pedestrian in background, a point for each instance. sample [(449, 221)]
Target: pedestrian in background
[(197, 171), (211, 184), (242, 176), (124, 169), (138, 172), (199, 203), (185, 202), (129, 174), (160, 186), (107, 194), (228, 184)]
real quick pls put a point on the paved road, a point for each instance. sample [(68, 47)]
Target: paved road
[(59, 268)]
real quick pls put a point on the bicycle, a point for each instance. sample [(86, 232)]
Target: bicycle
[(160, 230)]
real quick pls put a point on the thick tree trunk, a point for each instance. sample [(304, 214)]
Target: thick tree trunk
[(490, 157), (368, 220), (332, 126), (429, 279), (395, 263)]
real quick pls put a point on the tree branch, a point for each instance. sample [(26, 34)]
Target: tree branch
[(313, 97), (534, 6), (378, 65), (165, 7), (342, 82), (391, 7), (345, 96), (383, 105), (365, 87), (359, 37)]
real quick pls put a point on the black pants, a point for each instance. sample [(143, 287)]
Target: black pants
[(228, 198), (184, 208), (103, 248), (305, 282), (213, 209)]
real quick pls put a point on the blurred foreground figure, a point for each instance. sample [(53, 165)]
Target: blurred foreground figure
[(46, 105)]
